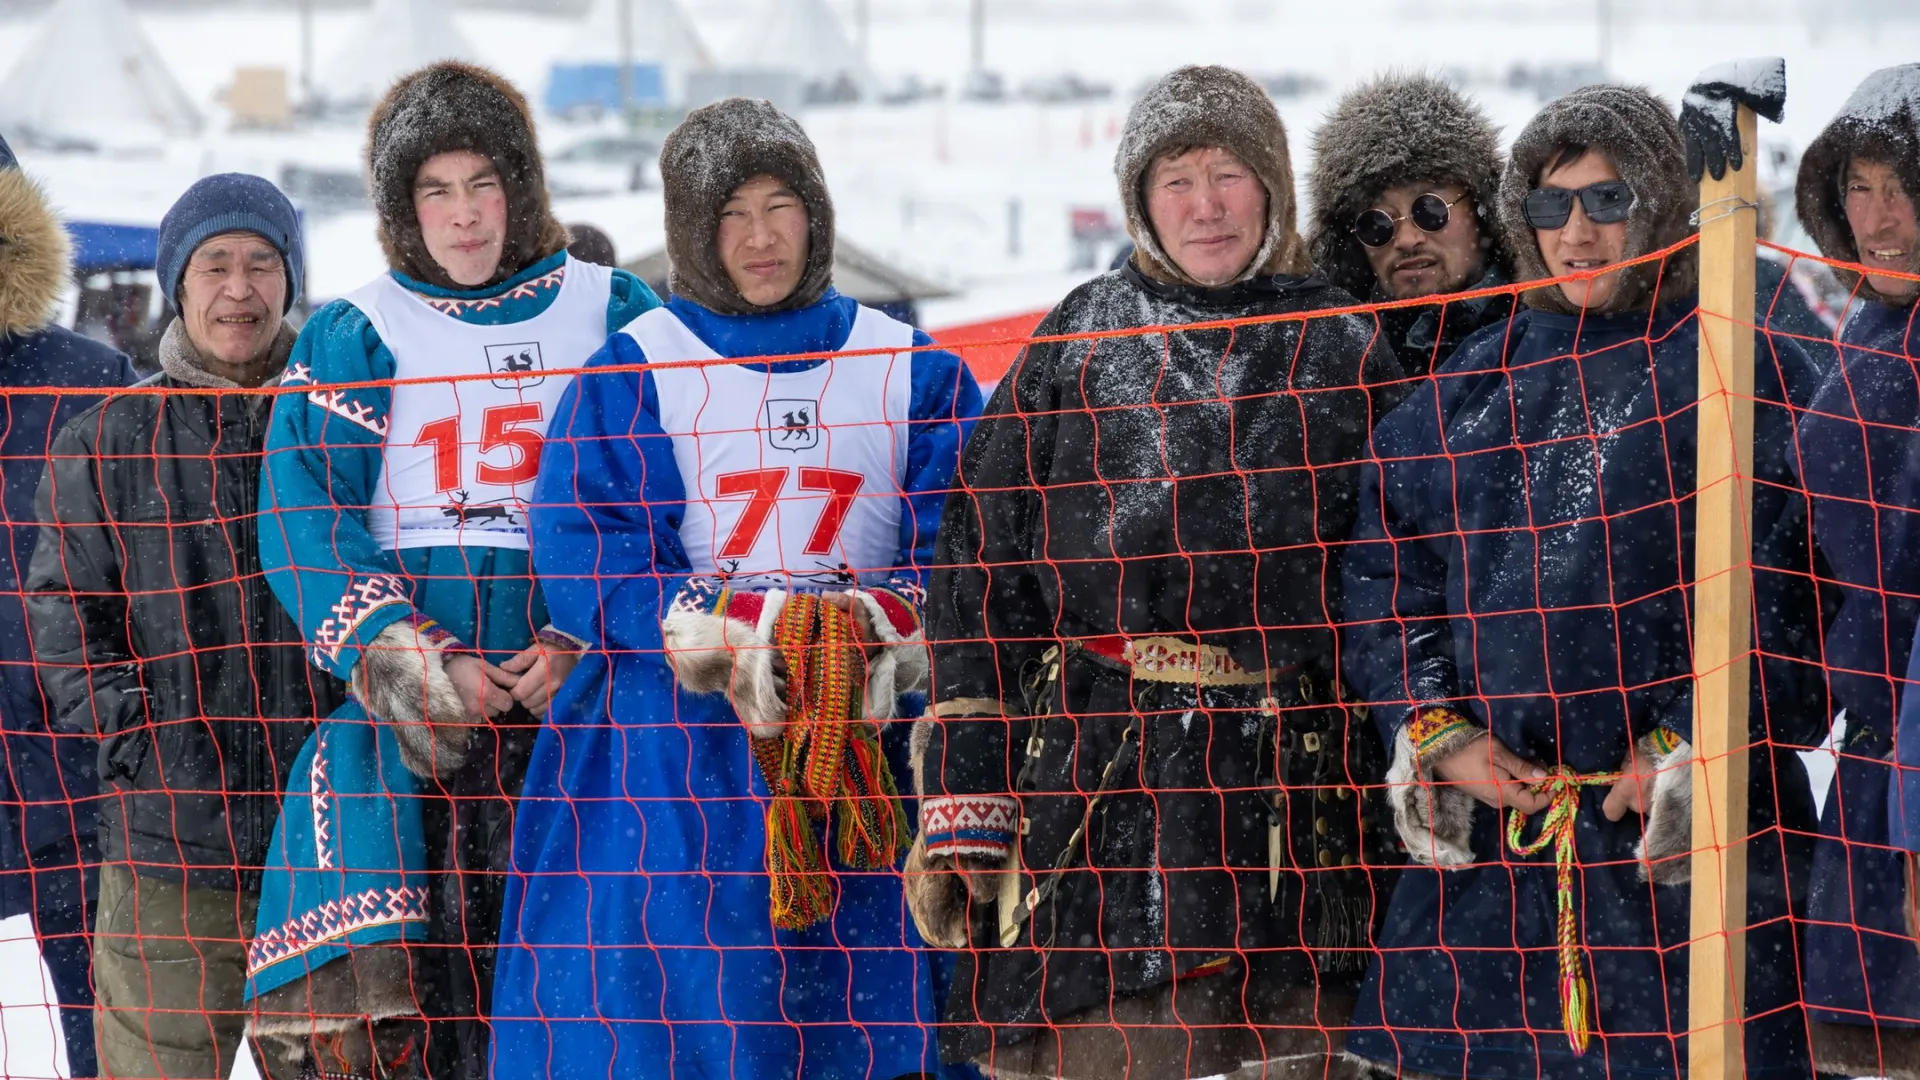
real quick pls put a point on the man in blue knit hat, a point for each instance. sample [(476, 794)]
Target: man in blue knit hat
[(155, 630), (48, 786)]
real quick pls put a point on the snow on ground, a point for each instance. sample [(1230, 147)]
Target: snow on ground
[(976, 196)]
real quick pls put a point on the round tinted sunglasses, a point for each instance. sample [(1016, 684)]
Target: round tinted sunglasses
[(1606, 203), (1429, 212)]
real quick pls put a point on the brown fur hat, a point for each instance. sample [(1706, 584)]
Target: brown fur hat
[(1209, 106), (715, 149), (448, 106), (1880, 122), (1396, 129), (35, 256), (1638, 133)]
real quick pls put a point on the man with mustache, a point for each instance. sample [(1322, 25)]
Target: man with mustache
[(154, 630), (1405, 169)]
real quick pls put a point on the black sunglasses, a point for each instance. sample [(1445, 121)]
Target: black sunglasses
[(1375, 228), (1608, 202)]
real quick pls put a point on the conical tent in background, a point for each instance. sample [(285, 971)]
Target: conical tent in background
[(662, 34), (397, 36), (92, 72), (801, 36)]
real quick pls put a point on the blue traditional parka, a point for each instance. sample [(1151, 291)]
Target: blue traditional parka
[(1520, 566), (1857, 448), (347, 863), (637, 940)]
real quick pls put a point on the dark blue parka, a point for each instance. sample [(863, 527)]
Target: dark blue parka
[(1522, 555), (1860, 460), (48, 785)]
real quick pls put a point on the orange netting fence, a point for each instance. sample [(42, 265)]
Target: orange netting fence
[(1242, 705)]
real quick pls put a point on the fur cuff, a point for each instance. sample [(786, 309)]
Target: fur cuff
[(1665, 850), (936, 897), (402, 681), (712, 652), (555, 638), (905, 665), (1435, 820), (374, 983), (1863, 1050)]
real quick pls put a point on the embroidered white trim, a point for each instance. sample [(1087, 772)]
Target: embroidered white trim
[(363, 598), (322, 804), (297, 373), (526, 290), (357, 413), (335, 919), (969, 824)]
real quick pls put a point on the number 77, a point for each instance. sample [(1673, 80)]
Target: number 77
[(763, 487)]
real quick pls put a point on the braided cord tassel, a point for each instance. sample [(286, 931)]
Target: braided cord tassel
[(1562, 786), (827, 759)]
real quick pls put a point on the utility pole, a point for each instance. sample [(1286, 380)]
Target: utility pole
[(977, 33), (625, 9), (1603, 11), (306, 53)]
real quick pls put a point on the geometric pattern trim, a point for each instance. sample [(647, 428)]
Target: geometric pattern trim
[(336, 919), (981, 825)]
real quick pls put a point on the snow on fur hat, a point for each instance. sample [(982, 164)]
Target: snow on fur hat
[(35, 254), (1218, 107), (1396, 129), (450, 106), (1880, 122), (1636, 131), (714, 150)]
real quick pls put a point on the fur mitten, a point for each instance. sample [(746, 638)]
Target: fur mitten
[(401, 679), (1434, 819), (714, 653), (1665, 850), (937, 897), (343, 1005)]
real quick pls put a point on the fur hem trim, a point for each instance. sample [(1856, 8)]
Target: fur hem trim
[(402, 680), (36, 256), (918, 742), (1665, 849), (374, 983), (1434, 820), (936, 897), (713, 654), (1862, 1050)]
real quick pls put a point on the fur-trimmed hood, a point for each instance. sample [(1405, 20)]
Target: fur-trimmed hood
[(715, 149), (1397, 129), (35, 256), (1880, 122), (1637, 131), (449, 106), (1210, 106)]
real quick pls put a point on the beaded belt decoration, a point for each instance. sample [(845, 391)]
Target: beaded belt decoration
[(1173, 660), (825, 763)]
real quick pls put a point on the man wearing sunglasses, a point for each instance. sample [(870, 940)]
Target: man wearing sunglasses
[(1404, 173), (1516, 604)]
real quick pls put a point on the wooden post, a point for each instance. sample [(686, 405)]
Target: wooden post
[(1722, 617)]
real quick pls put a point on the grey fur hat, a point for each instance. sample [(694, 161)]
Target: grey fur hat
[(1210, 106), (1396, 129), (714, 150), (450, 106), (1880, 122), (1637, 131)]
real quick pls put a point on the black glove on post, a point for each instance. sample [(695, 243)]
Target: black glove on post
[(1707, 112)]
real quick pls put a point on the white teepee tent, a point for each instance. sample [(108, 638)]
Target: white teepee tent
[(92, 72), (802, 36), (396, 37)]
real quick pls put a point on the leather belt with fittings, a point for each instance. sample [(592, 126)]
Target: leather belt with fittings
[(1172, 660)]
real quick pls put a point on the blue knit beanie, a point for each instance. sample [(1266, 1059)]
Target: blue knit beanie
[(228, 202)]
